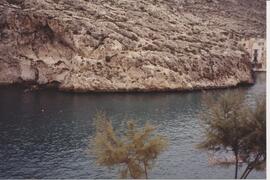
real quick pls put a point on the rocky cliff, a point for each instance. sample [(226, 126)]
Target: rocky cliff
[(127, 45)]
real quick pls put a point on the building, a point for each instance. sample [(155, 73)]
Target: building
[(256, 47)]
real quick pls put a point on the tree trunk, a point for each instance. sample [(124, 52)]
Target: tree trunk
[(145, 171), (244, 173), (130, 172), (250, 167), (245, 177), (236, 165)]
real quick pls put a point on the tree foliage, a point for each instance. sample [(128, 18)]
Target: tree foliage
[(254, 151), (230, 125), (134, 152)]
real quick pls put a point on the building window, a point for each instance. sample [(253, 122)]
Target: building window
[(255, 56)]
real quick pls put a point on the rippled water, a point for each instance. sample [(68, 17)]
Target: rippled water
[(45, 134)]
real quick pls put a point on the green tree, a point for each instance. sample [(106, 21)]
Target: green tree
[(254, 151), (230, 125), (134, 152)]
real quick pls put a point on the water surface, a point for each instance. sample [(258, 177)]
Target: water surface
[(45, 134)]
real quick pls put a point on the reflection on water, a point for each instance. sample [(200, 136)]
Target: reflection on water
[(45, 134)]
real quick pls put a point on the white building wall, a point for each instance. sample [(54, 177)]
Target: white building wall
[(258, 44)]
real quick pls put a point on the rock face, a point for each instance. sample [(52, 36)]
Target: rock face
[(127, 45)]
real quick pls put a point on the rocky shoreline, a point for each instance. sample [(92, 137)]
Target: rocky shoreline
[(127, 46), (28, 87)]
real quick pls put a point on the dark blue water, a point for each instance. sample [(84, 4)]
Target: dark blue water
[(45, 134)]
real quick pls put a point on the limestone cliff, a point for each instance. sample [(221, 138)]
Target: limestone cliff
[(127, 45)]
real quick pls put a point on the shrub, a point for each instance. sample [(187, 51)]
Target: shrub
[(134, 152), (230, 125)]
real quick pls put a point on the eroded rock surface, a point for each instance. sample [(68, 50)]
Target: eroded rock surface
[(127, 45)]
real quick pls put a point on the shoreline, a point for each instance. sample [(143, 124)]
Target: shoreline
[(28, 87), (34, 88)]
